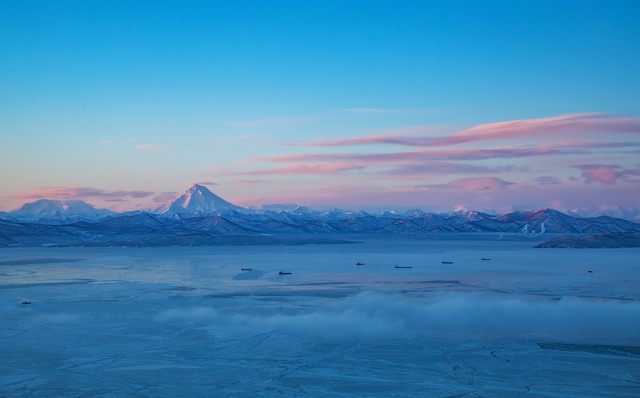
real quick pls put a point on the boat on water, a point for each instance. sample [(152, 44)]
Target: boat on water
[(485, 259), (447, 262), (359, 263), (402, 266), (284, 273), (246, 269)]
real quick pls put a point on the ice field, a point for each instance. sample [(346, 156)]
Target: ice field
[(498, 319)]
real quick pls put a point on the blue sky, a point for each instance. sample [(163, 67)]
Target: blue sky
[(124, 103)]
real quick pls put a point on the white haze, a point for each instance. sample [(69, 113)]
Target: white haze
[(196, 314), (466, 316)]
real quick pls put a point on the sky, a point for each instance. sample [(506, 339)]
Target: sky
[(490, 105)]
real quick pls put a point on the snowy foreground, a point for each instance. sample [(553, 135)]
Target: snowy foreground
[(189, 322)]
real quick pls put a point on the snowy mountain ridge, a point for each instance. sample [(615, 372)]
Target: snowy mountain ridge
[(198, 217), (58, 212)]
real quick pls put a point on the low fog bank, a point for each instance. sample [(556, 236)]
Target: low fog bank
[(373, 315), (195, 314)]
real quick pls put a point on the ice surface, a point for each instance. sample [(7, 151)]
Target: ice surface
[(168, 322)]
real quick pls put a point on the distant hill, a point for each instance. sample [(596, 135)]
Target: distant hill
[(606, 240)]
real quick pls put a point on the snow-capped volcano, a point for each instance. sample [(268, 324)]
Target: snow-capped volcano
[(59, 211), (194, 202)]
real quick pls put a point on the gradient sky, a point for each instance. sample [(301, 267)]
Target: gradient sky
[(360, 105)]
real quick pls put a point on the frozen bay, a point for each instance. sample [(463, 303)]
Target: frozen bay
[(497, 318)]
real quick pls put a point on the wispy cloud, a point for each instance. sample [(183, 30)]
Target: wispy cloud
[(547, 180), (381, 110), (514, 151), (240, 137), (407, 166), (248, 181), (269, 122), (572, 125), (412, 163), (151, 148), (473, 184), (481, 164), (413, 159), (65, 193), (492, 164), (440, 168), (164, 197), (208, 183), (590, 145), (302, 169), (389, 139)]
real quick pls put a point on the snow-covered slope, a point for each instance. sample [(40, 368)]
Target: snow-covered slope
[(196, 201), (58, 212)]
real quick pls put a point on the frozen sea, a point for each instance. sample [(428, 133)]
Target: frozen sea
[(500, 320)]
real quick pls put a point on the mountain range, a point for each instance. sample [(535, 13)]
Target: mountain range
[(200, 217)]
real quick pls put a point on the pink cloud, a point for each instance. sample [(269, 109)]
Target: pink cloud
[(303, 169), (151, 148), (570, 125), (450, 154), (562, 123), (392, 164), (64, 193), (477, 184), (392, 139), (558, 126), (606, 173), (414, 161)]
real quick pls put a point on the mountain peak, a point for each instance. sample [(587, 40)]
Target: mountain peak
[(196, 201), (198, 187), (46, 210)]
